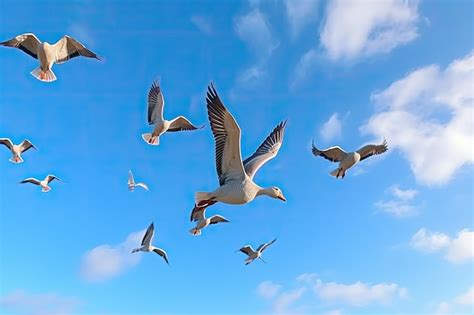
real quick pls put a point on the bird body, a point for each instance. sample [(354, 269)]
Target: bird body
[(203, 222), (17, 149), (146, 244), (44, 184)]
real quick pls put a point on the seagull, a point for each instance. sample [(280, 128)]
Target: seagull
[(44, 184), (155, 117), (254, 254), (66, 48), (203, 222), (347, 160), (146, 244), (132, 184), (236, 176), (17, 149)]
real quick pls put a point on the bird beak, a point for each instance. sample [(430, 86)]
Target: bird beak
[(281, 197)]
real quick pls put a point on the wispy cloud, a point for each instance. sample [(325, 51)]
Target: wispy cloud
[(332, 128), (463, 303), (300, 14), (203, 24), (400, 205), (39, 304), (304, 67), (107, 261)]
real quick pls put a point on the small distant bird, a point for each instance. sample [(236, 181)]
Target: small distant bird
[(44, 184), (254, 254), (146, 244), (17, 149), (199, 216), (155, 117), (347, 160), (66, 48), (132, 184)]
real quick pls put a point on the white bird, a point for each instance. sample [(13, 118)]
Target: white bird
[(348, 159), (132, 184), (44, 184), (155, 117), (236, 176), (203, 222), (66, 48), (17, 149), (146, 244), (254, 254)]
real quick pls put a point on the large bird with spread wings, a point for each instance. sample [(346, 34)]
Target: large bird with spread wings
[(146, 244), (44, 184), (66, 48), (17, 149), (236, 176), (156, 104), (349, 159), (254, 254)]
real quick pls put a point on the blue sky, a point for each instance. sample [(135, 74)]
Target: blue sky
[(394, 237)]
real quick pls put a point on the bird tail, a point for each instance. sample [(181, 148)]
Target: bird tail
[(150, 139), (195, 231), (45, 76), (338, 172), (200, 196), (16, 159), (45, 190)]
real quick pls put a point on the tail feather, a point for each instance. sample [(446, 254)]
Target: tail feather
[(338, 172), (150, 139), (45, 76), (195, 231), (201, 196)]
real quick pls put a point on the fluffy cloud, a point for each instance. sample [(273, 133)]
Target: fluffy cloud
[(457, 250), (203, 24), (332, 128), (428, 116), (463, 301), (38, 304), (268, 289), (401, 205), (300, 14), (107, 261), (358, 28)]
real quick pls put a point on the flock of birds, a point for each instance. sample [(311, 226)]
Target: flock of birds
[(236, 176)]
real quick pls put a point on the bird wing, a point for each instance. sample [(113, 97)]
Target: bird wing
[(181, 123), (30, 180), (148, 237), (372, 149), (68, 48), (156, 103), (26, 42), (264, 246), (131, 180), (26, 145), (162, 253), (247, 250), (266, 151), (333, 154), (217, 219), (50, 178), (7, 142), (198, 214), (142, 185), (227, 138)]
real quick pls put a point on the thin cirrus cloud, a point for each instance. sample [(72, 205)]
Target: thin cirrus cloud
[(300, 14), (428, 115), (360, 28), (401, 204), (332, 128), (457, 249), (203, 24), (23, 302), (108, 261)]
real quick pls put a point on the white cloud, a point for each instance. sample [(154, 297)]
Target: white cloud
[(466, 298), (457, 250), (268, 289), (39, 304), (358, 28), (400, 206), (107, 261), (460, 303), (300, 13), (304, 67), (203, 24), (428, 116), (283, 304), (332, 128)]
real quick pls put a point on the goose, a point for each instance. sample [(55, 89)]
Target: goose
[(44, 184), (254, 254), (203, 222), (348, 159), (17, 149), (156, 104), (66, 48), (132, 184), (146, 244), (236, 176)]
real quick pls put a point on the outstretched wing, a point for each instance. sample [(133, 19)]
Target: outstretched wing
[(227, 138), (198, 214), (131, 180), (30, 180), (148, 237), (7, 142), (26, 145), (26, 42), (50, 178), (156, 103), (162, 253), (247, 250), (142, 185), (218, 219), (333, 154), (262, 247), (372, 149), (181, 123), (68, 48), (266, 151)]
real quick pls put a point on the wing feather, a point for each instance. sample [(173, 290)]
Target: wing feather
[(180, 124), (372, 149), (68, 48), (148, 237), (7, 142), (28, 43), (218, 219), (333, 154), (156, 103), (162, 253)]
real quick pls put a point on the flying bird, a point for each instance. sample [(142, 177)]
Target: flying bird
[(132, 184), (66, 48), (236, 176), (203, 222), (17, 149), (44, 184), (146, 244), (348, 159), (254, 254), (156, 103)]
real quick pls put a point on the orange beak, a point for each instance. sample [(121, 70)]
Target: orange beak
[(281, 197)]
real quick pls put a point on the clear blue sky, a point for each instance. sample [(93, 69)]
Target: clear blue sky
[(394, 237)]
